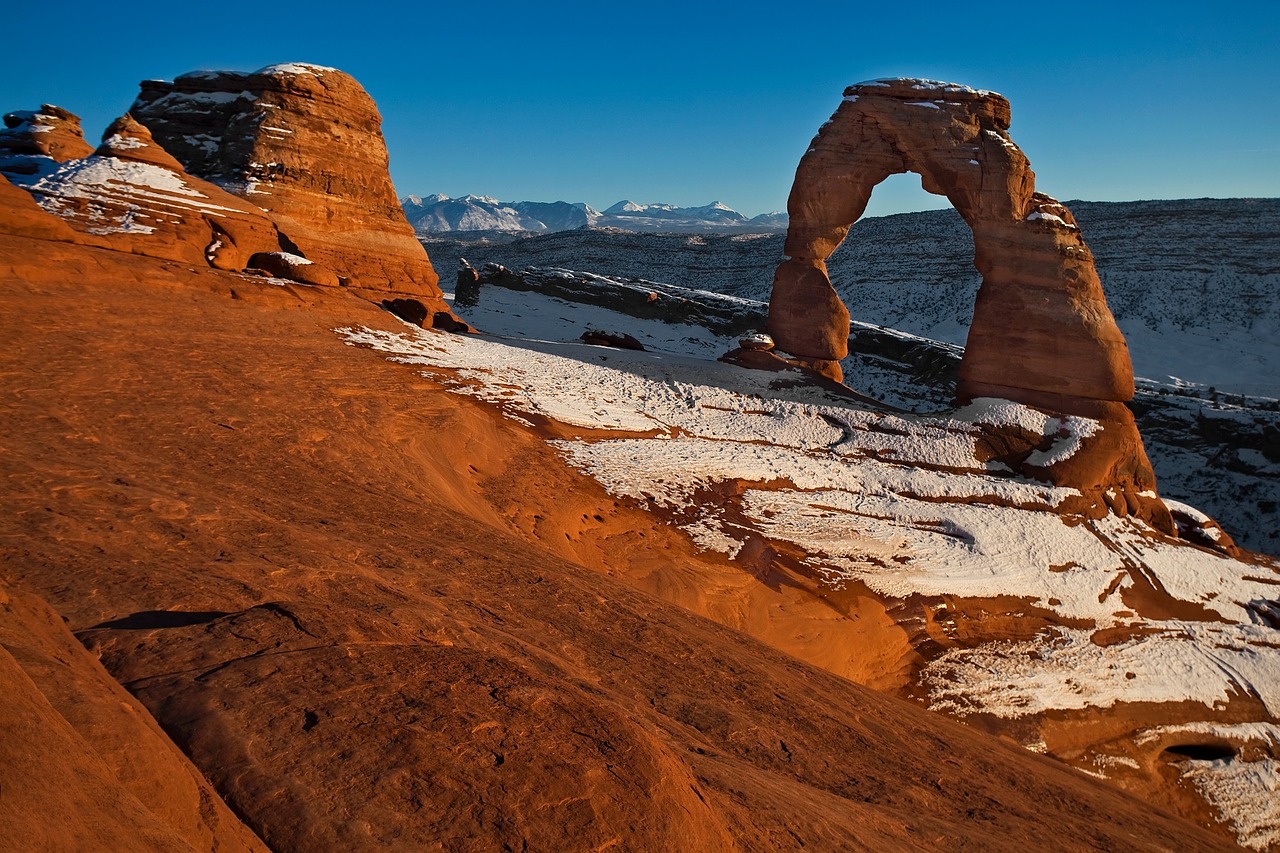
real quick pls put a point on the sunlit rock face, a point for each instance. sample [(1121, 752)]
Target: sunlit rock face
[(34, 142), (131, 195), (304, 143), (1041, 334)]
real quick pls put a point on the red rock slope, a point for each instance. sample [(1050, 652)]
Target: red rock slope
[(291, 551)]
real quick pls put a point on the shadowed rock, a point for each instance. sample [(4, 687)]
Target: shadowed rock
[(34, 142)]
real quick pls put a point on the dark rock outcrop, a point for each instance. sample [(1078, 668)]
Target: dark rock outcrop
[(294, 268), (34, 142)]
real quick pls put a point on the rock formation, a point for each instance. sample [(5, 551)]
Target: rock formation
[(132, 196), (34, 142), (304, 143), (22, 217), (1041, 334), (83, 766)]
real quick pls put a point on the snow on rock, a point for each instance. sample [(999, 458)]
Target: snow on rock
[(1245, 793), (1065, 669), (296, 68), (898, 503)]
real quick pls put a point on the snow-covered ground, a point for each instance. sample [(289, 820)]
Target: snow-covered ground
[(898, 502), (1194, 285)]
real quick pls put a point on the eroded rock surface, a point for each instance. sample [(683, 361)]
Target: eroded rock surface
[(83, 766), (22, 217), (1041, 335), (132, 196), (34, 142), (304, 143)]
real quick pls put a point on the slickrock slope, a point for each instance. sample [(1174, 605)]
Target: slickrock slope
[(83, 766), (34, 142), (20, 216), (304, 143), (364, 644), (1041, 333), (132, 196), (982, 593)]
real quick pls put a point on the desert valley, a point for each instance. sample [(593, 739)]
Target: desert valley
[(335, 520)]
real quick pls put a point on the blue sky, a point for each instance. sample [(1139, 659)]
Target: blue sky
[(693, 102)]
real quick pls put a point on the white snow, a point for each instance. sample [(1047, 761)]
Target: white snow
[(899, 503), (1038, 215), (202, 100), (1063, 669), (141, 190), (1245, 793), (295, 68), (1266, 734), (121, 142)]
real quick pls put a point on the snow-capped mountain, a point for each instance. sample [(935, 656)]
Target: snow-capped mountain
[(438, 214), (651, 217)]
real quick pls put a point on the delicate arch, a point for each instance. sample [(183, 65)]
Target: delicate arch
[(1041, 332)]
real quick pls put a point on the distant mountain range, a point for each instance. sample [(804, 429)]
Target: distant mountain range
[(438, 214)]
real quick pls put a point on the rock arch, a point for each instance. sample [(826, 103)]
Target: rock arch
[(1041, 334)]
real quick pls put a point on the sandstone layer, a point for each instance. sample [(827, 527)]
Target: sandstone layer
[(364, 644), (20, 216), (132, 196), (34, 142), (1041, 334), (304, 143)]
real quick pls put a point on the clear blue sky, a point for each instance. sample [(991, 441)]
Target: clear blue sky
[(697, 101)]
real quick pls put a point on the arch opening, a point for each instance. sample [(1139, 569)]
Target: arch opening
[(1040, 332)]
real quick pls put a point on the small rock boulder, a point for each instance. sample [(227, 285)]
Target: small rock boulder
[(617, 340)]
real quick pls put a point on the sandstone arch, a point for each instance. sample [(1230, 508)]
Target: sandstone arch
[(1041, 334)]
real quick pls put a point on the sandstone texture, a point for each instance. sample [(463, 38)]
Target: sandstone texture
[(1041, 334), (132, 196), (83, 766), (21, 216), (364, 645), (304, 143), (34, 142)]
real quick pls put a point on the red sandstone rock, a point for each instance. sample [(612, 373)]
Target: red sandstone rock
[(132, 196), (1041, 333), (304, 143), (83, 766), (22, 217), (34, 142)]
